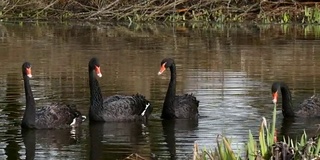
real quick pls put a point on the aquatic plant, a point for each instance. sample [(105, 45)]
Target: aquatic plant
[(222, 151), (267, 138), (285, 17)]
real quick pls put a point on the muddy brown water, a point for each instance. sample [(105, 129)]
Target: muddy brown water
[(229, 68)]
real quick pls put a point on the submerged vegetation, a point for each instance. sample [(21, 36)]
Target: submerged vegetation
[(168, 10), (267, 146)]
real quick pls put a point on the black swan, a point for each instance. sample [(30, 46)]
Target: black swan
[(308, 108), (174, 106), (56, 115), (116, 107)]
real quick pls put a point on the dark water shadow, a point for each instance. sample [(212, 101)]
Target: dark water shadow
[(48, 139), (295, 127), (171, 128), (11, 109), (115, 138)]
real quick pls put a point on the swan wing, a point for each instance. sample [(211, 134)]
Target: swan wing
[(56, 116), (186, 106), (309, 107), (123, 107)]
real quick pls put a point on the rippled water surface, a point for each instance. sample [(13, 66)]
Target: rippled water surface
[(229, 68)]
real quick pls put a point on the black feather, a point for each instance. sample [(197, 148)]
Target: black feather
[(116, 107), (308, 108), (177, 107), (56, 115)]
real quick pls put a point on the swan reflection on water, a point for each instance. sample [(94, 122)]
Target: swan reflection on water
[(117, 138), (50, 143), (295, 127), (173, 130)]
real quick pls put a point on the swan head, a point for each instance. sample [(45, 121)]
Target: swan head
[(165, 63), (26, 69), (94, 65)]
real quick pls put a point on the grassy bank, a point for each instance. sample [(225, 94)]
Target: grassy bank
[(158, 10)]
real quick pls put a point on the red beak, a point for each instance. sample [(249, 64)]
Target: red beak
[(98, 72), (275, 97), (162, 69), (28, 70)]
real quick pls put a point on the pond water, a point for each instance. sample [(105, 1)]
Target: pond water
[(229, 68)]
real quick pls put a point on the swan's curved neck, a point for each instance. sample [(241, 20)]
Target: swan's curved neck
[(30, 112), (96, 101), (287, 107), (171, 93)]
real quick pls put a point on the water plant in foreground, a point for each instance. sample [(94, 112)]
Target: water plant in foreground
[(267, 146)]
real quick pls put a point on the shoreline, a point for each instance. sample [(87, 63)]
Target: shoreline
[(163, 11)]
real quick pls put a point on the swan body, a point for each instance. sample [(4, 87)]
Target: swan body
[(116, 107), (56, 115), (308, 108), (177, 106)]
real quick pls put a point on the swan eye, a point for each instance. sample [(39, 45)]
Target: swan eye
[(98, 72)]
